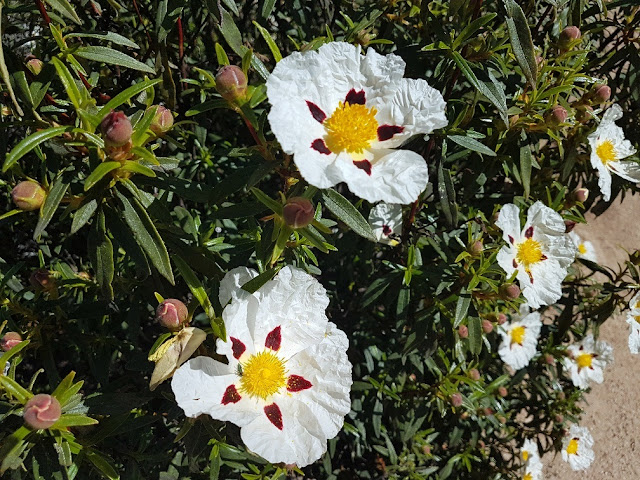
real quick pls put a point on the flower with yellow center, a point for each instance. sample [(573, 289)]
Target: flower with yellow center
[(351, 128), (633, 319), (586, 250), (609, 148), (263, 375), (539, 254), (586, 360), (520, 339), (532, 465), (577, 448), (572, 448)]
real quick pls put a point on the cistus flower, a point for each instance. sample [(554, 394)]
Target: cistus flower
[(342, 116), (386, 222), (172, 314), (28, 195), (116, 129), (288, 378), (531, 460), (540, 253), (520, 339), (231, 83), (633, 319), (298, 212), (41, 411), (608, 149), (162, 121), (586, 249), (586, 361), (10, 340), (577, 448)]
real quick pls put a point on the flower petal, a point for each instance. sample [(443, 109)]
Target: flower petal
[(509, 222), (386, 221), (231, 284), (239, 317)]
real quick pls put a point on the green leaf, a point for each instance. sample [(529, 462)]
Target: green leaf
[(99, 172), (13, 351), (462, 307), (4, 73), (147, 235), (232, 35), (447, 196), (107, 37), (126, 95), (73, 420), (135, 167), (346, 212), (69, 83), (521, 41), (102, 463), (526, 161), (83, 215), (206, 106), (31, 142), (65, 8), (472, 144), (51, 203), (475, 335), (221, 55), (254, 284), (315, 238), (101, 254), (14, 389), (112, 57), (267, 8), (275, 51), (267, 201)]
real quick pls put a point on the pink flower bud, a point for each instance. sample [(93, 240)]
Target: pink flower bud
[(298, 212), (569, 37), (502, 319), (509, 291), (580, 194), (35, 66), (559, 418), (476, 248), (172, 314), (487, 326), (549, 360), (231, 83), (556, 116), (601, 93), (426, 449), (456, 399), (42, 279), (116, 129), (463, 331), (28, 195), (41, 411), (162, 121), (10, 340), (488, 411), (569, 225), (502, 391), (474, 374)]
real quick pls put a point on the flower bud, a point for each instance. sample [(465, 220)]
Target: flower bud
[(569, 225), (10, 340), (601, 93), (476, 248), (463, 331), (298, 212), (580, 194), (162, 121), (584, 114), (474, 374), (456, 399), (487, 326), (231, 83), (556, 116), (488, 411), (502, 391), (42, 279), (28, 195), (502, 319), (559, 418), (35, 66), (509, 291), (549, 360), (426, 449), (116, 129), (172, 314), (569, 37), (41, 411)]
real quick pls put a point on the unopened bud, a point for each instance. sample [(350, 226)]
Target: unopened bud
[(476, 248), (488, 411), (42, 279), (559, 418), (502, 391), (172, 314), (580, 195), (549, 360), (426, 449), (463, 331), (298, 212), (474, 374), (41, 411), (601, 93), (28, 195), (502, 319), (509, 291), (487, 326), (456, 399), (116, 129), (584, 114), (412, 377), (10, 340), (569, 225), (231, 83), (556, 116), (35, 66), (569, 37), (162, 121)]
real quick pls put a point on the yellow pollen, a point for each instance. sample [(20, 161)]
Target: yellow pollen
[(527, 476), (517, 336), (351, 128), (262, 375), (584, 360), (582, 249), (572, 448), (606, 151), (529, 252), (525, 455), (637, 318)]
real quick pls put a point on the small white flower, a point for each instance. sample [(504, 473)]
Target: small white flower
[(288, 378), (520, 340), (633, 319), (587, 360), (585, 248), (386, 222), (609, 148), (541, 252), (343, 115), (577, 448), (531, 460)]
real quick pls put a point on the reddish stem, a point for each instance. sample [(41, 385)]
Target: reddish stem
[(43, 11), (180, 39)]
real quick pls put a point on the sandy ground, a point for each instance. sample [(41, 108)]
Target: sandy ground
[(611, 413)]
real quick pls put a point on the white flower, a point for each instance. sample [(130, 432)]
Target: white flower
[(586, 361), (531, 459), (288, 378), (633, 319), (386, 222), (585, 248), (577, 448), (342, 115), (520, 340), (609, 148), (541, 252)]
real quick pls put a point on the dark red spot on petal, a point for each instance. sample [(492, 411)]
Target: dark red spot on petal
[(544, 257), (295, 383), (385, 132), (354, 97), (237, 347), (530, 277), (386, 229), (363, 165), (511, 240), (231, 395), (274, 415), (316, 112), (273, 339), (529, 232), (515, 264), (319, 145)]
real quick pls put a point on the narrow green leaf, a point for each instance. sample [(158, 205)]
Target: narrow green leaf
[(472, 144), (14, 389), (206, 106), (54, 197), (232, 35), (112, 57), (221, 55), (31, 142), (73, 420), (521, 41), (275, 51), (99, 172), (267, 201), (65, 8), (346, 212), (102, 463), (475, 335), (83, 215), (64, 385), (69, 83), (126, 95), (462, 307), (107, 37), (526, 161), (254, 284), (447, 196), (315, 238), (146, 155), (135, 167), (13, 351), (267, 8), (101, 254), (4, 74)]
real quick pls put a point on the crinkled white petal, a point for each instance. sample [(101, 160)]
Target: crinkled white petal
[(386, 222), (584, 456), (231, 284), (629, 170), (582, 377), (239, 318), (613, 114), (513, 354), (586, 250), (634, 333), (509, 222)]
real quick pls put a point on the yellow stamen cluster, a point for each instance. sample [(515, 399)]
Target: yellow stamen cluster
[(529, 252), (582, 249), (351, 128), (584, 360), (527, 476), (572, 448), (517, 336), (606, 151), (263, 375)]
